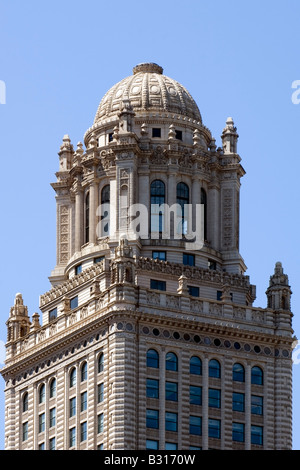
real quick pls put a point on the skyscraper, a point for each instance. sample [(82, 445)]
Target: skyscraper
[(149, 338)]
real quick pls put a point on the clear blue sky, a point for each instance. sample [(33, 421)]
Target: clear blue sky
[(237, 58)]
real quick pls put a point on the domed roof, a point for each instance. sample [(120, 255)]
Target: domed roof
[(148, 90)]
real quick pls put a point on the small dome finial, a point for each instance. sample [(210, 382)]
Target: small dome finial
[(148, 67)]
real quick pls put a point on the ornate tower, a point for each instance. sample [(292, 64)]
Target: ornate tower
[(149, 337)]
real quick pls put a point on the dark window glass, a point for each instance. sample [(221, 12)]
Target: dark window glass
[(178, 134), (105, 199), (74, 303), (188, 259), (195, 395), (151, 445), (157, 198), (214, 398), (195, 365), (152, 388), (87, 217), (171, 421), (152, 359), (257, 435), (159, 255), (256, 376), (158, 285), (194, 291), (196, 425), (152, 417), (238, 432), (78, 269), (84, 372), (238, 373), (238, 402), (53, 314), (214, 428), (101, 363), (110, 137), (100, 393), (171, 361), (171, 391), (98, 259), (25, 402), (183, 199), (73, 377), (219, 295), (204, 202), (214, 369), (256, 405), (156, 132)]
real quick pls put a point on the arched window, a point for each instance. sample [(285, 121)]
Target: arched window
[(152, 358), (101, 363), (183, 197), (42, 393), (53, 388), (204, 202), (238, 373), (157, 198), (87, 218), (257, 376), (214, 369), (83, 376), (73, 377), (195, 365), (105, 201), (171, 361), (25, 402)]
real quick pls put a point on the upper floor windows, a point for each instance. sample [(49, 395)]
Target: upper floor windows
[(183, 197), (156, 132), (53, 388), (152, 358), (101, 363), (171, 361), (42, 393), (105, 216), (53, 314), (87, 217), (195, 365), (83, 376), (74, 302), (256, 375), (158, 285), (188, 259), (73, 377), (25, 402), (238, 373), (214, 369), (204, 202), (157, 198)]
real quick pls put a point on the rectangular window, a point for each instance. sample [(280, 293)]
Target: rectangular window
[(52, 417), (159, 255), (152, 388), (52, 314), (178, 134), (170, 446), (100, 447), (194, 291), (100, 392), (156, 132), (212, 265), (219, 295), (238, 432), (72, 437), (98, 259), (152, 419), (196, 425), (257, 435), (214, 398), (42, 422), (171, 421), (72, 407), (52, 443), (78, 269), (214, 428), (110, 137), (256, 405), (74, 302), (83, 401), (158, 285), (238, 402), (42, 446), (151, 445), (188, 259), (100, 423), (83, 432), (171, 391), (25, 431), (195, 395)]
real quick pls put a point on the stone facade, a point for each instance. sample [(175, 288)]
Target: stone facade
[(146, 341)]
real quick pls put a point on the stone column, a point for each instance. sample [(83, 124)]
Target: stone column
[(78, 219), (93, 211)]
